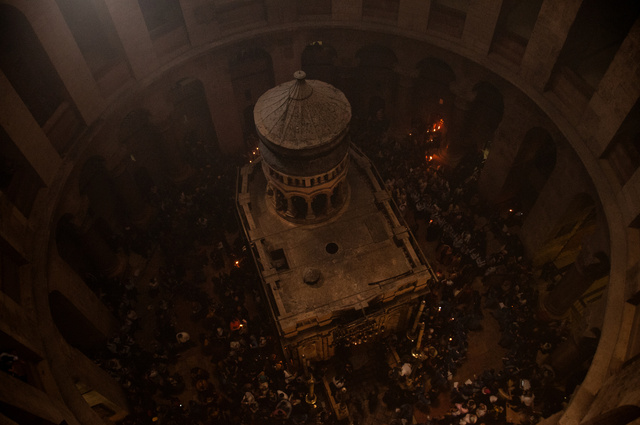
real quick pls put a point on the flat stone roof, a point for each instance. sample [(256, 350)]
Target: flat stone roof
[(369, 260)]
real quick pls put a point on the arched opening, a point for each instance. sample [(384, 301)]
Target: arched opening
[(531, 168), (432, 98), (318, 62), (376, 78), (194, 125), (300, 206), (95, 183), (337, 196), (483, 118), (146, 145), (319, 204), (251, 70), (280, 202)]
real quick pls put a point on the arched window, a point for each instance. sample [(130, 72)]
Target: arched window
[(319, 205), (299, 207)]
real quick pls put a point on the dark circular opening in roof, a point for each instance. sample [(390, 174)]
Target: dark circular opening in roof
[(331, 248)]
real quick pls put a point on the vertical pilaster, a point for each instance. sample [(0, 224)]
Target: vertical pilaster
[(615, 96), (310, 214), (106, 261), (402, 110), (546, 41), (456, 147), (22, 128), (134, 36), (480, 24), (285, 57), (223, 107), (507, 140), (413, 15), (290, 212), (56, 39)]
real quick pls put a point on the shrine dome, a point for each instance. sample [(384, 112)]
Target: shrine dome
[(302, 117)]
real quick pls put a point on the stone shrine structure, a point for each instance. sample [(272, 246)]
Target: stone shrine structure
[(337, 262), (303, 128)]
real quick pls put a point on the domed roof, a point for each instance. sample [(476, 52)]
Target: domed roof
[(302, 114)]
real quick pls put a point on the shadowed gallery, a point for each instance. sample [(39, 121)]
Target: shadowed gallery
[(319, 212)]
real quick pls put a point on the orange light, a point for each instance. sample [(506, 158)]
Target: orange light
[(237, 263)]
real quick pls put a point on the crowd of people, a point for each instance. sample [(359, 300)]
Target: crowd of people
[(205, 264), (446, 201)]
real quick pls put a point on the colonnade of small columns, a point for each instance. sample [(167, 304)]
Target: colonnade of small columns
[(307, 207)]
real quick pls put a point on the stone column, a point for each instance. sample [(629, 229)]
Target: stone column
[(310, 214), (612, 101), (24, 131), (580, 276), (64, 279), (138, 211), (455, 145), (106, 261), (134, 35), (34, 401), (546, 41), (49, 25), (330, 207), (224, 109), (413, 15), (402, 111), (507, 141), (480, 24), (289, 212)]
